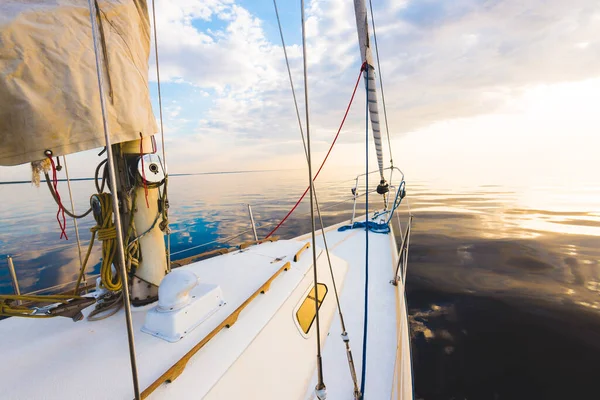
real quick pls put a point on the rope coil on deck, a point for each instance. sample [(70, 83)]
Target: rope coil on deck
[(8, 308), (106, 232)]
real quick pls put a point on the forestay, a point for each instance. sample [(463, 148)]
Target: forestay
[(48, 82)]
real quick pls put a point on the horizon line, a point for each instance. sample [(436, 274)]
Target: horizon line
[(171, 175)]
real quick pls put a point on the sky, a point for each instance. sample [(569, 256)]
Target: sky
[(476, 91)]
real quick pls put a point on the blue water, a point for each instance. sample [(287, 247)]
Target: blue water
[(503, 281)]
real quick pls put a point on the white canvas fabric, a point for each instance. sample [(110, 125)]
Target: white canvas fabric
[(49, 95)]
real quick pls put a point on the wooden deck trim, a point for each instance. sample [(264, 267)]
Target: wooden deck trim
[(218, 252), (299, 253), (252, 242), (197, 257), (177, 369)]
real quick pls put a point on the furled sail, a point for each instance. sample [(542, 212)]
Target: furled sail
[(48, 84), (362, 26)]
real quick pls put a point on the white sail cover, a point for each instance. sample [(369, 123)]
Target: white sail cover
[(48, 84)]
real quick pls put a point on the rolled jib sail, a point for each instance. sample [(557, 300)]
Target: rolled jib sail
[(48, 82), (362, 27)]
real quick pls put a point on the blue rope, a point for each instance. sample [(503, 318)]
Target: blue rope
[(365, 323), (372, 226), (400, 193), (383, 227)]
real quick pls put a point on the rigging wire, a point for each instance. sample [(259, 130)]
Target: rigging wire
[(262, 225), (345, 337), (84, 263), (224, 240), (387, 128), (113, 186), (287, 63), (324, 160), (162, 139), (320, 389), (75, 224), (366, 310)]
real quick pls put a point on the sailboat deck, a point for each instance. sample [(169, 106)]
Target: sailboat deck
[(383, 323), (89, 360)]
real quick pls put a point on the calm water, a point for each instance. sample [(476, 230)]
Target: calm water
[(503, 282)]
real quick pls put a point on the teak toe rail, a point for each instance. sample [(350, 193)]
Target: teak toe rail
[(299, 253), (177, 368), (217, 252)]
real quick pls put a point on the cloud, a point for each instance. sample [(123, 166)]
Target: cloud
[(440, 61), (235, 56), (470, 57), (251, 107), (222, 63)]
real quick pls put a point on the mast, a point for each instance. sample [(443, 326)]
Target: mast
[(362, 27), (141, 182), (40, 118)]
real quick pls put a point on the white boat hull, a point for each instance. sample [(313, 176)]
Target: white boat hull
[(264, 354)]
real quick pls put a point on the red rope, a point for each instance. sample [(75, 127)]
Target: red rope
[(326, 156), (61, 211), (143, 170)]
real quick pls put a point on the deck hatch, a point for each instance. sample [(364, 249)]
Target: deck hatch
[(306, 313)]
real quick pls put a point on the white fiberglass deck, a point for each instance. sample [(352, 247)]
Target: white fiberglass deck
[(263, 355), (387, 332)]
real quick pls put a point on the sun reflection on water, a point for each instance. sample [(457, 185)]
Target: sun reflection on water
[(205, 208)]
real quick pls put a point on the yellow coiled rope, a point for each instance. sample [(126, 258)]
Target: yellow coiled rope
[(10, 308), (106, 232)]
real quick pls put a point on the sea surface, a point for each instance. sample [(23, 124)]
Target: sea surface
[(503, 283)]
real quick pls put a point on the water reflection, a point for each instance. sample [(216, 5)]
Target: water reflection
[(503, 282), (504, 301)]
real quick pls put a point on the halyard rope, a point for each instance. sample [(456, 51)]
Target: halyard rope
[(324, 160)]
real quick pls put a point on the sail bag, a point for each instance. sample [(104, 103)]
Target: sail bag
[(49, 98)]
